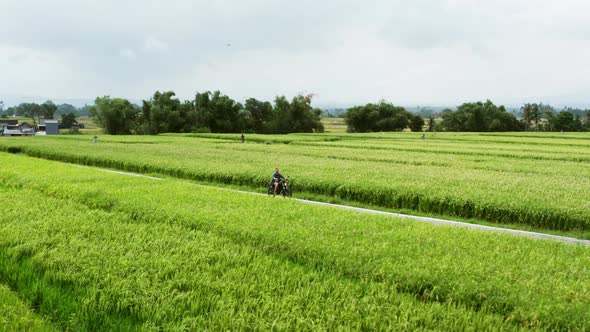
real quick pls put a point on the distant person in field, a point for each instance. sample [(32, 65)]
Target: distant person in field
[(243, 138), (276, 179), (95, 139)]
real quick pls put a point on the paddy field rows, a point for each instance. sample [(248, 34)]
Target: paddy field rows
[(533, 179), (86, 250)]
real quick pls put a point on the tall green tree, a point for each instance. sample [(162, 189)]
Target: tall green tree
[(258, 116), (480, 117), (566, 121), (117, 116), (377, 117), (68, 120), (30, 110), (281, 108), (219, 113), (416, 123), (3, 112), (165, 113), (302, 118), (531, 113), (431, 124), (550, 120), (48, 109), (536, 115), (10, 111)]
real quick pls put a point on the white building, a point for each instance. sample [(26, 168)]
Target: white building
[(23, 129)]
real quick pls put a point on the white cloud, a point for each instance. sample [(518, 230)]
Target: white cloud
[(152, 44), (128, 54)]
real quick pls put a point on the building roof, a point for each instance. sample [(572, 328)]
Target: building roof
[(9, 122), (49, 121)]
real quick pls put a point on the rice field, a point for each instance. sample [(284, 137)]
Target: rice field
[(90, 250), (334, 125), (16, 315), (532, 179)]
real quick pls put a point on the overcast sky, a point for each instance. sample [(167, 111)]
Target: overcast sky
[(413, 52)]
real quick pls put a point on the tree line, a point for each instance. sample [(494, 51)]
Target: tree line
[(215, 112), (468, 117), (542, 117), (46, 110), (34, 111), (382, 116), (207, 112)]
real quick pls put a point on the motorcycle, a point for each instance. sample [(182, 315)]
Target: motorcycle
[(283, 188)]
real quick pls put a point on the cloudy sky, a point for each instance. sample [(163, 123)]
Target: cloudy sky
[(418, 52)]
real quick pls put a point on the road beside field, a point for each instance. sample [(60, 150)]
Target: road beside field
[(434, 221)]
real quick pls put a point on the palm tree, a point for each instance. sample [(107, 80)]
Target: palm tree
[(535, 115), (526, 115)]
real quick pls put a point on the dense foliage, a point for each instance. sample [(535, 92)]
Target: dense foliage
[(114, 252), (34, 111), (469, 117), (208, 112), (117, 116), (68, 120), (381, 117), (480, 117), (540, 117), (165, 113), (566, 121), (47, 110)]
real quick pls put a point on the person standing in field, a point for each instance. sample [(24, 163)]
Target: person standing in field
[(276, 179), (243, 138), (95, 139)]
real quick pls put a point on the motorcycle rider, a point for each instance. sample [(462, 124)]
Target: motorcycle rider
[(276, 179)]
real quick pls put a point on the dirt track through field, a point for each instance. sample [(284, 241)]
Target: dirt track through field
[(434, 221)]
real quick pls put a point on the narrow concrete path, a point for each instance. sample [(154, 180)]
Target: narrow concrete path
[(128, 173), (435, 221), (456, 223)]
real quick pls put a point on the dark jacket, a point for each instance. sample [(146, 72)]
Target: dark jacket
[(276, 175)]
